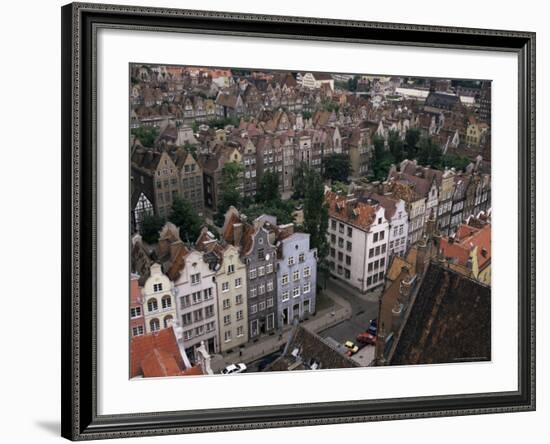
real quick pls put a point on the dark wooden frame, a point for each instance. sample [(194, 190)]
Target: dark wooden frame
[(79, 397)]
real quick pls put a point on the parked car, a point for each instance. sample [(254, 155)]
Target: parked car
[(352, 348), (366, 338), (234, 368), (373, 327)]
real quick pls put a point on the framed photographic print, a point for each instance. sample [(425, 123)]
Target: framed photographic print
[(278, 221)]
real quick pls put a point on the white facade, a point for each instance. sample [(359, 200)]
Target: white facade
[(359, 255), (196, 297), (398, 230), (158, 301)]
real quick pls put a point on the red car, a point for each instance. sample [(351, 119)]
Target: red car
[(366, 338)]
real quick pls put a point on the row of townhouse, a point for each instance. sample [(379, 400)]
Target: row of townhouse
[(258, 278), (368, 227)]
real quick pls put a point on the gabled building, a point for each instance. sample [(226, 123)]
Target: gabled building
[(358, 234), (137, 320), (191, 179), (158, 300)]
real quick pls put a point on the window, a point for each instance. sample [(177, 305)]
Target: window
[(347, 273), (157, 287), (154, 324), (270, 286), (391, 245), (230, 268), (376, 264), (369, 281), (261, 289), (340, 242), (401, 229), (239, 299), (284, 280), (187, 334), (333, 224), (333, 238), (348, 246), (225, 287), (238, 282), (261, 254), (285, 296), (382, 262), (240, 331), (167, 321), (291, 260), (135, 312), (307, 287), (253, 273), (340, 269), (296, 275), (270, 321), (253, 292), (379, 220), (350, 231), (166, 302), (332, 252), (340, 256), (341, 227), (383, 248), (269, 302), (371, 252), (254, 328), (269, 269), (253, 309), (377, 251), (197, 315), (261, 271), (199, 330), (381, 275), (375, 237), (186, 319), (239, 315), (227, 320), (382, 235), (301, 257), (227, 336), (261, 306), (348, 260), (296, 292), (209, 311), (197, 297), (137, 331), (195, 278), (307, 272), (208, 293), (184, 301), (152, 305)]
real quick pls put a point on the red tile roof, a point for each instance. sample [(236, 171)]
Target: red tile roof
[(466, 238), (350, 211)]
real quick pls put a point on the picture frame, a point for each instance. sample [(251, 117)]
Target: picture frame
[(80, 418)]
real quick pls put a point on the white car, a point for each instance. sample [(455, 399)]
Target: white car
[(234, 368)]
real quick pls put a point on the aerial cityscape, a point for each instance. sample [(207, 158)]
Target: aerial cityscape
[(297, 221)]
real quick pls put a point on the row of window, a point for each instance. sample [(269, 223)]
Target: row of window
[(261, 271), (196, 297), (227, 318), (261, 306), (227, 302), (197, 315), (340, 256), (152, 305), (378, 263), (227, 333), (225, 285), (301, 258), (340, 242), (199, 331), (285, 296), (341, 227), (254, 325), (296, 275), (381, 249), (260, 289), (154, 324)]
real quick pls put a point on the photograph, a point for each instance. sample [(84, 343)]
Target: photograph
[(299, 220)]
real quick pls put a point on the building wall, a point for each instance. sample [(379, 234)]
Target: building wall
[(158, 288), (232, 301), (196, 305), (398, 231), (261, 275), (296, 279)]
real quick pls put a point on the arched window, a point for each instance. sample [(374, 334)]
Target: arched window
[(154, 324), (152, 305), (166, 302), (167, 321)]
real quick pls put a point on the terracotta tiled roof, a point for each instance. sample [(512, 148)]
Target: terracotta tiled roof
[(178, 264), (350, 211), (466, 238), (157, 354)]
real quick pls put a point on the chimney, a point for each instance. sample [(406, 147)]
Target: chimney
[(237, 233), (422, 246), (381, 345), (405, 290)]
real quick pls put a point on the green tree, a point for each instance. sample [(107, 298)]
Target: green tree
[(454, 161), (396, 146), (150, 228), (300, 180), (429, 153), (316, 214), (184, 216), (382, 159), (268, 191), (337, 167), (412, 136), (230, 190), (146, 135)]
